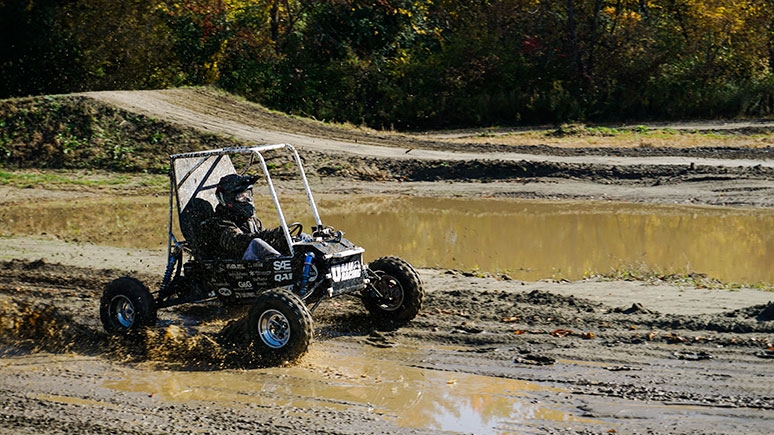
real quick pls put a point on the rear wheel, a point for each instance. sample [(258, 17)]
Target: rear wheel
[(397, 295), (126, 306), (280, 327)]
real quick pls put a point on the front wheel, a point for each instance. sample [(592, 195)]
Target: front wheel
[(397, 294), (126, 306), (280, 327)]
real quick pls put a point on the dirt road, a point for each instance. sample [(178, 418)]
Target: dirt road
[(714, 174), (486, 355), (205, 111)]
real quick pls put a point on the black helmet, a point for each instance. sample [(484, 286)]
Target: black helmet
[(235, 192)]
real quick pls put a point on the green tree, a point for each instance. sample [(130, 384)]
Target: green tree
[(409, 63)]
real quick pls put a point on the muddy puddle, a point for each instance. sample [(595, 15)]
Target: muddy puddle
[(529, 240), (408, 397), (339, 376), (371, 381)]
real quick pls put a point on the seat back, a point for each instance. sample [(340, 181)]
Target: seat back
[(192, 218)]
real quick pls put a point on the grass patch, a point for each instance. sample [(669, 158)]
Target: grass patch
[(580, 136), (79, 133), (85, 180)]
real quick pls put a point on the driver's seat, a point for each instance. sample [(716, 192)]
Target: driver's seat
[(192, 218)]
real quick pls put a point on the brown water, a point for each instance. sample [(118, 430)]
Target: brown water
[(530, 240), (370, 380), (332, 375)]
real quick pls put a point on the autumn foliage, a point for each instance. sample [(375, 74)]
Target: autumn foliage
[(409, 64)]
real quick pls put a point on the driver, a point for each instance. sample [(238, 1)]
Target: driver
[(234, 232)]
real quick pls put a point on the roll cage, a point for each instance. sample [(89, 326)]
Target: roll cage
[(193, 179)]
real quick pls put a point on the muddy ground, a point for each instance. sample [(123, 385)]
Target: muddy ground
[(592, 356), (632, 357)]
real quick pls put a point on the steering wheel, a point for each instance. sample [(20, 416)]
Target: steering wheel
[(295, 229)]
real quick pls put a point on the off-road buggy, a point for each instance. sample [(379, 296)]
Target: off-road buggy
[(282, 291)]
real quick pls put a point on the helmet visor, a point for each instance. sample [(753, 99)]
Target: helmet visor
[(244, 196)]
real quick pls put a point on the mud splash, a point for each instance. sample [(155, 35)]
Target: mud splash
[(33, 328), (36, 328)]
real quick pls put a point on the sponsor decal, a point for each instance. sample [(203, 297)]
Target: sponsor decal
[(283, 276), (260, 272), (283, 270), (224, 291), (245, 284), (245, 295), (282, 265), (346, 271)]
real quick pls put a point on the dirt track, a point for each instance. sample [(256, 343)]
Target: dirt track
[(373, 161), (592, 356)]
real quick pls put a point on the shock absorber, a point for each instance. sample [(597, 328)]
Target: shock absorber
[(308, 259), (174, 259)]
